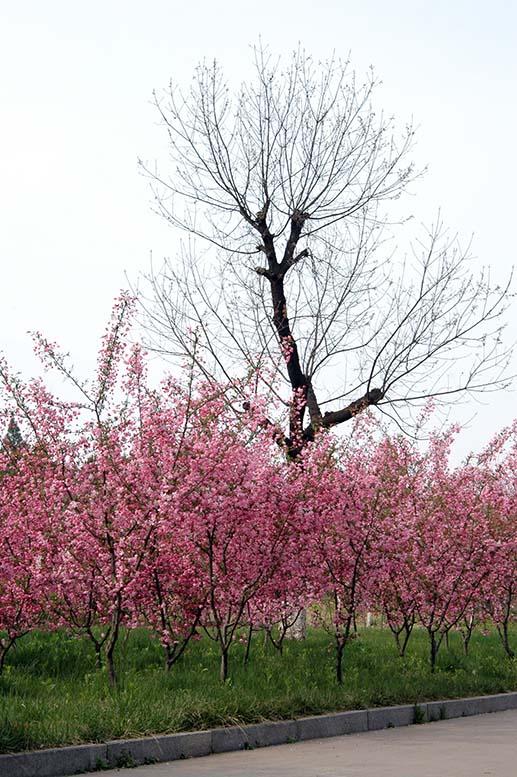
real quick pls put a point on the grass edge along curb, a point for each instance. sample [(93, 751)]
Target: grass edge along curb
[(64, 761)]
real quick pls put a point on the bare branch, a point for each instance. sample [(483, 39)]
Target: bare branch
[(287, 182)]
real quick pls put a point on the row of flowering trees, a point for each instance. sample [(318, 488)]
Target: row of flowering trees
[(174, 508)]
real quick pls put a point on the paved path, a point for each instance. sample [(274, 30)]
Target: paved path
[(479, 746)]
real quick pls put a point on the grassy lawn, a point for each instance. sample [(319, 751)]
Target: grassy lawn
[(52, 695)]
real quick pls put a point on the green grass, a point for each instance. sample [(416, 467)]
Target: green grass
[(52, 695)]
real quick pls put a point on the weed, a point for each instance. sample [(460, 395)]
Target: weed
[(125, 760)]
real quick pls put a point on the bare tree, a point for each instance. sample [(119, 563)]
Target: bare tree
[(288, 182)]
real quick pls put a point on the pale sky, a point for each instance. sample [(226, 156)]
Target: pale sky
[(75, 88)]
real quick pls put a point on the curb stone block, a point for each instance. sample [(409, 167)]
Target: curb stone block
[(498, 702), (391, 717), (468, 707), (460, 708), (436, 710), (476, 705), (332, 725), (503, 701), (278, 733), (53, 762), (169, 747), (454, 708), (227, 739), (190, 744)]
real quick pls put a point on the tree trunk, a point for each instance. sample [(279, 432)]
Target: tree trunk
[(248, 645), (340, 649), (175, 652), (97, 646), (110, 660), (402, 644), (223, 671), (170, 655), (98, 655), (408, 630), (112, 641), (502, 630), (433, 652), (278, 644), (466, 633)]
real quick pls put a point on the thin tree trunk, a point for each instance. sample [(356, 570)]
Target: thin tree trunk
[(408, 630), (110, 661), (340, 649), (173, 654), (97, 646), (112, 641), (402, 642), (98, 655), (223, 671), (248, 645), (502, 630), (278, 644), (433, 651), (466, 633), (170, 656)]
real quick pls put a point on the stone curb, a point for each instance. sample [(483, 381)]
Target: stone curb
[(63, 761)]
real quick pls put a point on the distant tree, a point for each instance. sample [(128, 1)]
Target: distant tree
[(13, 440), (286, 182), (12, 444)]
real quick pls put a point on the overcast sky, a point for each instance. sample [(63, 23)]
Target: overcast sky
[(75, 88)]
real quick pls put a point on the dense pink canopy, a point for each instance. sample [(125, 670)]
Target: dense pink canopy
[(174, 507)]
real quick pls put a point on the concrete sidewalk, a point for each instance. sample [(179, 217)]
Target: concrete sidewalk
[(479, 746)]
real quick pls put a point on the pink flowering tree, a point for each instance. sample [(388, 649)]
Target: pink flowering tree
[(392, 585), (31, 496), (23, 575), (452, 552), (344, 526), (498, 463), (94, 498), (237, 505)]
